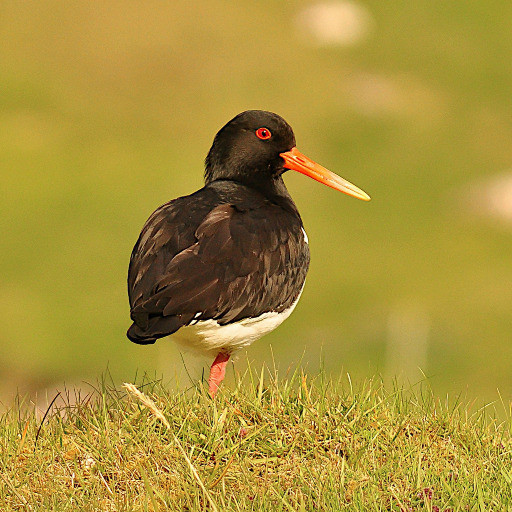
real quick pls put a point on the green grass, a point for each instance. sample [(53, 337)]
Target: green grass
[(269, 442)]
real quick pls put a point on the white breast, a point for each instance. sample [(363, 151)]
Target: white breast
[(210, 338)]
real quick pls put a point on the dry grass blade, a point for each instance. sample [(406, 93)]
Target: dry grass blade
[(44, 418), (23, 436), (224, 471), (147, 402), (132, 389)]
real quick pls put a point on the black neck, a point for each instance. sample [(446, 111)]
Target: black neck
[(273, 190)]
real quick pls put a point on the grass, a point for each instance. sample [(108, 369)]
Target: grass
[(290, 443)]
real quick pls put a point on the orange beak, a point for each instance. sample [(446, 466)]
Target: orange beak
[(296, 161)]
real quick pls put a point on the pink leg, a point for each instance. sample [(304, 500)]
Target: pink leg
[(217, 373)]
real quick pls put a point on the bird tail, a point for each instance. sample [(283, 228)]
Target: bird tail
[(146, 330), (137, 335)]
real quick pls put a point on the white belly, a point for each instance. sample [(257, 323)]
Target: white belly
[(210, 338)]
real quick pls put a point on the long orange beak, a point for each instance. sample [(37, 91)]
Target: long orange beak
[(296, 161)]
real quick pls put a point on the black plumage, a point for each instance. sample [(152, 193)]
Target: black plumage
[(226, 252)]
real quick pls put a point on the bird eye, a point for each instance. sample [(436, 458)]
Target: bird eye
[(263, 133)]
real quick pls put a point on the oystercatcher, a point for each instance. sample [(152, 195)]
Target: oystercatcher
[(225, 265)]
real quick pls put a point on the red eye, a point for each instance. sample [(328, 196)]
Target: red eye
[(263, 133)]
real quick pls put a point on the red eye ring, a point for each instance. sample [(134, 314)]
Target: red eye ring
[(263, 133)]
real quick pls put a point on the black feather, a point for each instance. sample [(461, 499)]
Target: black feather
[(235, 255)]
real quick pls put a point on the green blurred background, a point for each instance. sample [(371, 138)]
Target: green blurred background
[(108, 110)]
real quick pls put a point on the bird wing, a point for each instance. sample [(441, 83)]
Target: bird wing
[(240, 261)]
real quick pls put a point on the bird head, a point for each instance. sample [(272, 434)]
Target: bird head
[(257, 146)]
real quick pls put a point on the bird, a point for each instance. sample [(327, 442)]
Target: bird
[(225, 265)]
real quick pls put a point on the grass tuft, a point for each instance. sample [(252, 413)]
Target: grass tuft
[(294, 443)]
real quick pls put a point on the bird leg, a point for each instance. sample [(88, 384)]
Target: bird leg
[(217, 373)]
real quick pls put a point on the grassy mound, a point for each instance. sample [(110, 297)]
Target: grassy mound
[(266, 444)]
